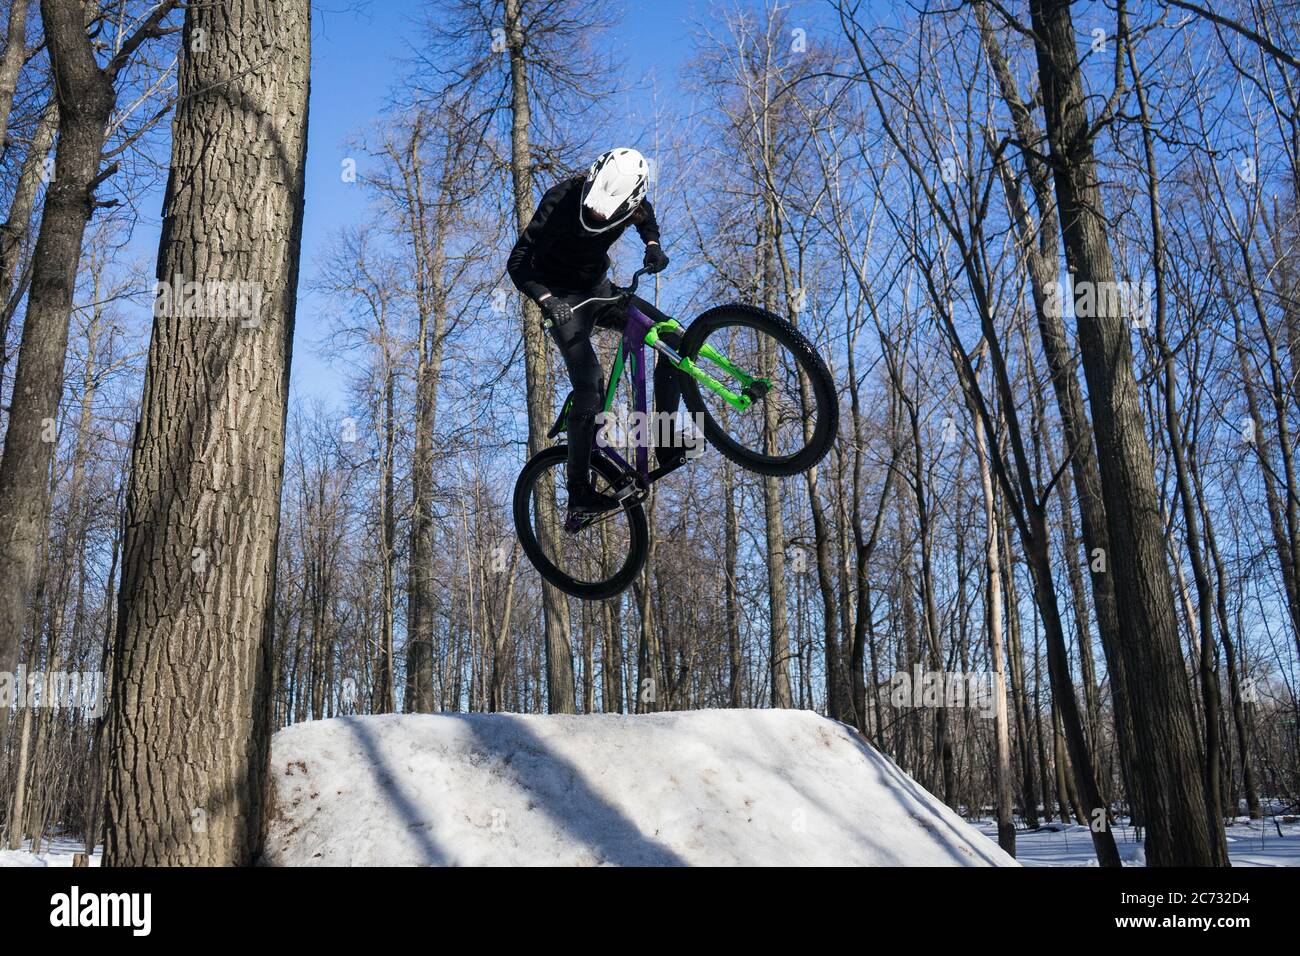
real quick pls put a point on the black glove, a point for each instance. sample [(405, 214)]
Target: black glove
[(656, 260), (557, 310)]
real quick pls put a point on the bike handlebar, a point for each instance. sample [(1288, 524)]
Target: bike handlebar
[(636, 276), (620, 292)]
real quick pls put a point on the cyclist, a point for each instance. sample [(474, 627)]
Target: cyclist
[(560, 259)]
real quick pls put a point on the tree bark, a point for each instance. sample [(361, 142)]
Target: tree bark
[(1181, 830), (559, 651), (17, 224), (18, 803), (993, 625), (11, 64), (428, 254), (190, 721), (384, 693), (731, 547), (86, 99), (1042, 257)]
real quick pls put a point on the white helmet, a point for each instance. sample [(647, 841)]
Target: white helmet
[(615, 186)]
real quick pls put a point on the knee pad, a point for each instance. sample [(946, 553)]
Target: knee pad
[(587, 400)]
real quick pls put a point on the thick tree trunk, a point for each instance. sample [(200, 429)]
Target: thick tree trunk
[(1179, 453), (190, 720), (1181, 829)]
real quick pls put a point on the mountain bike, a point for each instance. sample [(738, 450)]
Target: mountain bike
[(766, 401)]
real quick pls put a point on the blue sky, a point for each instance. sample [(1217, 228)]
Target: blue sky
[(355, 52)]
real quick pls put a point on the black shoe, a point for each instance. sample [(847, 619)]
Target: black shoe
[(586, 500)]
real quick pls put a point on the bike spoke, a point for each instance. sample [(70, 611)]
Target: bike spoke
[(777, 424), (599, 546)]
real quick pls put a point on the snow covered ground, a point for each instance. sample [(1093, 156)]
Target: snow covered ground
[(1249, 844), (56, 852), (702, 787), (746, 787)]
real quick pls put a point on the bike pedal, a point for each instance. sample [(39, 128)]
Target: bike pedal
[(629, 490)]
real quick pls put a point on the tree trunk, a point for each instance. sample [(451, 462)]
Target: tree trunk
[(11, 64), (1178, 452), (650, 689), (993, 624), (1042, 260), (612, 656), (559, 652), (1230, 653), (497, 700), (1020, 689), (429, 255), (190, 722), (16, 226), (1181, 830), (731, 547), (18, 805), (86, 100), (419, 637)]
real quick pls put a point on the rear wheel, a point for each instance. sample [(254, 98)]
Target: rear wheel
[(793, 415), (590, 558)]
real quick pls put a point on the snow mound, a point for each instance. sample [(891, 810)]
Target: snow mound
[(714, 788)]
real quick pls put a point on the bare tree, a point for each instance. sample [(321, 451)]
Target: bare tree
[(11, 62), (86, 96), (1169, 779)]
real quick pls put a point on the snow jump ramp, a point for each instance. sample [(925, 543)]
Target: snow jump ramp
[(711, 788)]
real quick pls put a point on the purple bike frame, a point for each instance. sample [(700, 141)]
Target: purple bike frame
[(632, 348)]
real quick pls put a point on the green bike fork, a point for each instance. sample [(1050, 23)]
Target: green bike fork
[(749, 384)]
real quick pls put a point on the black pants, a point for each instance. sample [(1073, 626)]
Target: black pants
[(574, 340)]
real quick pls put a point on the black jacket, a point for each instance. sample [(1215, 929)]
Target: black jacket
[(554, 252)]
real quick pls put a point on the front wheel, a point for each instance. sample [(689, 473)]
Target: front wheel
[(792, 415), (591, 558)]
